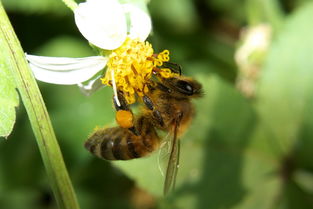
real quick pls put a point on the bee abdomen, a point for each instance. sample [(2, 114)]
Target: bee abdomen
[(119, 144)]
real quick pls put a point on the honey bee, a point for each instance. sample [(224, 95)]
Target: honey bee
[(166, 107)]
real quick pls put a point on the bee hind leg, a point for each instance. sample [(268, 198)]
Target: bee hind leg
[(121, 104), (124, 116)]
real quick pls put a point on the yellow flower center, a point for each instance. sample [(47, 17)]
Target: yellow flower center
[(133, 65)]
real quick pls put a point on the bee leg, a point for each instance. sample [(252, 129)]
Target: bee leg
[(122, 102), (158, 116), (176, 68), (149, 136), (149, 104), (147, 101), (124, 116)]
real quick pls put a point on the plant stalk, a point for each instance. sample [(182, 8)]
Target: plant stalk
[(38, 116)]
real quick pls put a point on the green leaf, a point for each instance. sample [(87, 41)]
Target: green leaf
[(304, 180), (294, 197), (286, 85), (36, 6), (65, 46), (83, 114), (180, 14), (264, 11), (9, 99), (229, 8)]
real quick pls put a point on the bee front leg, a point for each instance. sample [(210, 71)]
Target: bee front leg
[(176, 68), (149, 104), (124, 116)]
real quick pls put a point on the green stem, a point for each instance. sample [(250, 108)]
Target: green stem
[(38, 116), (70, 4), (260, 11)]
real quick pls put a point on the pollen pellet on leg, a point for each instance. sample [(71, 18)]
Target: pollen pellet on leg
[(124, 118)]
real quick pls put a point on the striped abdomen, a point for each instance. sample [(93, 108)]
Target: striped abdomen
[(121, 144)]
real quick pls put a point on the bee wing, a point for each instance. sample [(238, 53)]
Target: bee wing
[(173, 162), (164, 153)]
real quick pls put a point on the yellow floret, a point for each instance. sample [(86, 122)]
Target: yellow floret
[(133, 64)]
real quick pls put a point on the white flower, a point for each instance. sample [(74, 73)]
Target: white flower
[(102, 23), (63, 70), (250, 56), (105, 24), (255, 39)]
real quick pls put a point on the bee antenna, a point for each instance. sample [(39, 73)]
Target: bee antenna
[(201, 93)]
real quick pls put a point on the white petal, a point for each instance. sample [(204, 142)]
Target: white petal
[(92, 86), (140, 22), (102, 23), (63, 70)]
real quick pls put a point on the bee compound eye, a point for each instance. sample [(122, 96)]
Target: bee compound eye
[(189, 88), (184, 87)]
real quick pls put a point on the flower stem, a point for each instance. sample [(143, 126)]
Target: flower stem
[(70, 4), (38, 116)]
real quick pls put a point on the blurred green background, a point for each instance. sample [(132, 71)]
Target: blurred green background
[(240, 152)]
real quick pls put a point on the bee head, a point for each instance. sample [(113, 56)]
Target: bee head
[(181, 86)]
